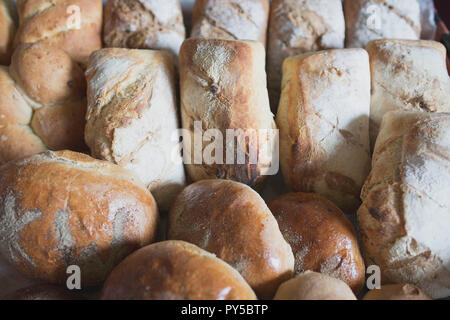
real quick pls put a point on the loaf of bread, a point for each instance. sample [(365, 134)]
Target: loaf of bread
[(59, 209), (298, 27), (175, 270), (407, 75), (404, 220), (43, 292), (230, 19), (8, 27), (368, 20), (72, 25), (232, 221), (321, 237), (144, 24), (132, 117), (42, 103), (324, 124), (396, 292), (314, 286)]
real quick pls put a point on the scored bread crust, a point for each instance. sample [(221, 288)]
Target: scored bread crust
[(8, 27), (404, 220)]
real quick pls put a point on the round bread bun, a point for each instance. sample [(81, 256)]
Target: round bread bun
[(43, 292), (321, 237), (175, 270), (232, 221), (59, 209), (314, 286), (397, 292)]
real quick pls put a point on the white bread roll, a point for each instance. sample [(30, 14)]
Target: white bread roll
[(132, 117)]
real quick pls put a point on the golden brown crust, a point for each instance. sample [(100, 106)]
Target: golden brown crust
[(7, 30), (397, 292), (232, 221), (63, 208), (42, 292), (321, 237), (175, 270)]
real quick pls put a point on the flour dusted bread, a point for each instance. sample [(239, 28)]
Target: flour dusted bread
[(59, 209), (298, 27), (404, 220), (144, 24), (232, 221), (132, 117), (175, 270), (368, 20), (72, 25), (42, 104), (407, 75), (230, 19), (396, 292), (324, 124), (223, 87), (8, 27)]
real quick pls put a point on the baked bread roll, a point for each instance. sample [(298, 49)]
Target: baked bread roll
[(175, 270), (404, 220), (407, 75), (298, 27), (368, 20), (144, 24), (72, 25), (324, 124), (314, 286), (230, 20), (42, 292), (59, 209), (321, 237), (132, 116), (8, 27), (223, 90), (396, 292), (232, 221), (42, 104)]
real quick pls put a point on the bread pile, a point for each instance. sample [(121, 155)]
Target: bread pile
[(183, 136)]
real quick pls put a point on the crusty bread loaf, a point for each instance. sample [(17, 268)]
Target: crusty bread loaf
[(396, 292), (175, 270), (8, 27), (230, 19), (232, 221), (223, 87), (321, 237), (407, 75), (72, 25), (324, 124), (298, 27), (404, 220), (132, 117), (144, 24), (368, 20), (42, 103), (59, 209), (314, 286), (42, 292)]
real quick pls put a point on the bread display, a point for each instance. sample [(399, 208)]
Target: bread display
[(42, 104), (407, 75), (321, 237), (404, 220), (42, 292), (298, 27), (314, 286), (132, 116), (175, 270), (72, 25), (232, 221), (214, 98), (324, 124), (8, 27), (230, 20), (368, 20), (144, 24), (396, 292), (59, 209)]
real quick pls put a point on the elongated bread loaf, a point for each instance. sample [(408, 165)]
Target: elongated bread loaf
[(407, 75), (324, 124), (404, 220), (8, 27), (132, 117)]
